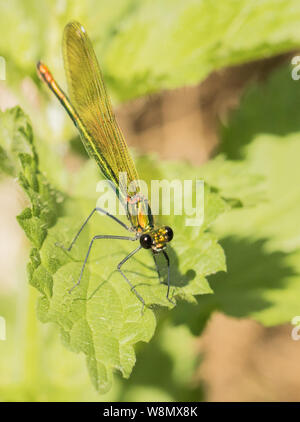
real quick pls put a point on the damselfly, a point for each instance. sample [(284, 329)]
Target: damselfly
[(90, 109)]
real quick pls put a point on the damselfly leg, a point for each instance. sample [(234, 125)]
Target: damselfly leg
[(105, 236), (124, 276), (85, 222)]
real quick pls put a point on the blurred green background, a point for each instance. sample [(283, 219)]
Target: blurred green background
[(175, 71)]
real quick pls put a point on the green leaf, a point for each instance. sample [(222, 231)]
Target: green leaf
[(175, 363), (30, 370), (235, 181), (15, 138), (148, 46), (102, 317), (163, 46), (262, 244)]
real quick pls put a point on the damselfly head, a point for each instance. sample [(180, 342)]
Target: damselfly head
[(156, 239)]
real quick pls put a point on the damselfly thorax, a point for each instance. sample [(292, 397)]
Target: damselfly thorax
[(142, 222)]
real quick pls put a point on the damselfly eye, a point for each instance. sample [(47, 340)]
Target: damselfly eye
[(146, 241), (169, 233)]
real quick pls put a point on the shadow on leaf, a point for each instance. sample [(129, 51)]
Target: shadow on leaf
[(252, 271)]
